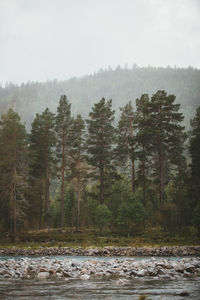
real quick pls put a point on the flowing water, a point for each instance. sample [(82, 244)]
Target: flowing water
[(99, 288)]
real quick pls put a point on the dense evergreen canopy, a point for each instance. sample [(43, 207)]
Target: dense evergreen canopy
[(126, 176)]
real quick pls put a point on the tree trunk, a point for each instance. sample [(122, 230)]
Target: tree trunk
[(47, 198), (40, 219), (63, 182), (15, 217), (78, 194), (101, 185), (72, 218), (161, 177), (78, 207), (144, 179), (160, 160), (13, 220), (133, 175), (13, 196), (41, 209), (132, 155)]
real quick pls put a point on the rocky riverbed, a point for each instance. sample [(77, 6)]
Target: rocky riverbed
[(123, 268), (106, 251)]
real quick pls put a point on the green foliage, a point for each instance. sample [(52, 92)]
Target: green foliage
[(102, 216), (131, 215), (196, 217), (92, 206), (70, 206), (167, 216), (118, 191), (170, 192)]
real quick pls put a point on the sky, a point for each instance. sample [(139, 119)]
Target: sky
[(58, 39)]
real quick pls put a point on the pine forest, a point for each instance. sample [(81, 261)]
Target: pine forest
[(123, 176)]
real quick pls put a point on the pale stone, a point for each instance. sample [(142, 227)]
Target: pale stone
[(42, 275)]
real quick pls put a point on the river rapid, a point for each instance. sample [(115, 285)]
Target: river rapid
[(32, 289), (63, 277)]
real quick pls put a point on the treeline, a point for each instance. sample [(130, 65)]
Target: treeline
[(119, 84), (128, 176)]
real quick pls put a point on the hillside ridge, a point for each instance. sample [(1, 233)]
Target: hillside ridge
[(121, 85)]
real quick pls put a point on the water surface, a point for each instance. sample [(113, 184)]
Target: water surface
[(98, 288)]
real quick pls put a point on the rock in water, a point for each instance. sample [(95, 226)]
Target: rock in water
[(184, 294), (42, 275), (85, 277), (121, 281)]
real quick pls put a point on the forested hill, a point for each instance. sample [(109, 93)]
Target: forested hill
[(121, 85)]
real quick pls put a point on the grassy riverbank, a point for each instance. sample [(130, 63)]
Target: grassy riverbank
[(92, 238)]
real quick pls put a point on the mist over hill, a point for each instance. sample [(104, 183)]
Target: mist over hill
[(121, 85)]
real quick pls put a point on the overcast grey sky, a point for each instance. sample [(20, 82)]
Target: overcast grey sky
[(48, 39)]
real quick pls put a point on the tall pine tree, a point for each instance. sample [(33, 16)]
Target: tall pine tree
[(13, 170), (42, 166), (143, 139), (166, 136), (125, 149), (63, 130), (78, 164), (100, 141), (195, 168)]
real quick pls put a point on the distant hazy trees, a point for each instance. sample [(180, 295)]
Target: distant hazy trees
[(120, 84)]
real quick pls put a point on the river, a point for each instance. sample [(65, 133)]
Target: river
[(99, 288)]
